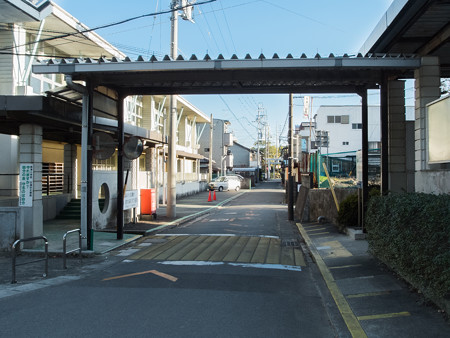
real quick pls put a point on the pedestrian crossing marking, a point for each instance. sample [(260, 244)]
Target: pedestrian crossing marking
[(273, 256), (247, 254), (219, 255), (233, 249), (233, 254), (261, 251)]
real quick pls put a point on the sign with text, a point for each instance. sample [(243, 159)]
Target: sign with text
[(306, 101), (131, 199), (26, 185)]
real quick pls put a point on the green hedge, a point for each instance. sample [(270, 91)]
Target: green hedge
[(348, 209), (411, 234)]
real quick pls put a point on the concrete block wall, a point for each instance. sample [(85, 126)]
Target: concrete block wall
[(320, 202)]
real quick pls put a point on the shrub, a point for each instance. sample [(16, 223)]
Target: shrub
[(348, 212), (411, 234), (348, 209)]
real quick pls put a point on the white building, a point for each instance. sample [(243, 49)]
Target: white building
[(344, 127), (41, 125)]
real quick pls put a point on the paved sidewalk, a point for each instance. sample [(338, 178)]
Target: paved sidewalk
[(372, 300), (188, 208)]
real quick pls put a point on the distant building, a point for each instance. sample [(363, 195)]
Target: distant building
[(242, 156), (222, 141)]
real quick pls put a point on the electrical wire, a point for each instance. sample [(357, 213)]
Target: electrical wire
[(107, 25), (211, 34), (228, 107), (220, 30), (228, 27)]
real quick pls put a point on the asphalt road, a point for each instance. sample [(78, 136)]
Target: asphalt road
[(159, 287)]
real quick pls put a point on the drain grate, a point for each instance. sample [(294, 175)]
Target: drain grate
[(290, 242)]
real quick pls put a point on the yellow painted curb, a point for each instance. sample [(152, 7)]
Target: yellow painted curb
[(349, 317)]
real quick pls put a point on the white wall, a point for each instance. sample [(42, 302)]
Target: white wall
[(339, 133)]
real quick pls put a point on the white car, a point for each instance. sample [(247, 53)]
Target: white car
[(226, 183)]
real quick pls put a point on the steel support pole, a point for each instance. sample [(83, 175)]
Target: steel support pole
[(365, 153), (90, 240), (384, 137), (84, 166), (120, 139), (290, 162)]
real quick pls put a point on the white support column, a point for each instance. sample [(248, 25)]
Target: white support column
[(397, 136), (427, 89), (31, 152)]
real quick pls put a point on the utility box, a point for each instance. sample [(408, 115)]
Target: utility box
[(148, 201), (228, 139), (229, 161)]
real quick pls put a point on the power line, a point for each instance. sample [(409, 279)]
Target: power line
[(226, 104), (220, 30), (107, 25), (228, 27)]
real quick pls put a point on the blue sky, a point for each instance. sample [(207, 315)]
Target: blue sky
[(239, 27)]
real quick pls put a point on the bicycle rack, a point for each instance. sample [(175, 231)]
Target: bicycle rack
[(65, 248), (37, 260)]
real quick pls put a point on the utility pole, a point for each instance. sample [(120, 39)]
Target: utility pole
[(257, 143), (290, 162), (172, 160), (267, 151)]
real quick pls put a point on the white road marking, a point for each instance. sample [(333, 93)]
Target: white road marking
[(323, 247), (242, 265), (219, 235)]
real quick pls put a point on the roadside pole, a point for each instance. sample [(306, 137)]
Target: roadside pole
[(211, 128), (290, 163)]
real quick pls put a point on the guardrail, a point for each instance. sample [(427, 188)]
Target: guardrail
[(36, 260), (65, 246)]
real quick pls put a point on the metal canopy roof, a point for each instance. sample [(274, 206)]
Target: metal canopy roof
[(220, 76), (421, 27)]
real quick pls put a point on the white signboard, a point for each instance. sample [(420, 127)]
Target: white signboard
[(26, 185), (439, 131), (306, 106), (131, 200)]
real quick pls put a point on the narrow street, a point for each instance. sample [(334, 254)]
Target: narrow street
[(236, 272)]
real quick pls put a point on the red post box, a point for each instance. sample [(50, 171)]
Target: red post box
[(148, 201)]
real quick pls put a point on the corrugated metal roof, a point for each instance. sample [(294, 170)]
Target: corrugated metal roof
[(246, 75)]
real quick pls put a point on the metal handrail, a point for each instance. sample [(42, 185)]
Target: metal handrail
[(76, 249), (13, 248)]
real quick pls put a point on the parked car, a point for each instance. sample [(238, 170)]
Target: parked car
[(226, 183)]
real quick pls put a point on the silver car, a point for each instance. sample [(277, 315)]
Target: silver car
[(226, 183)]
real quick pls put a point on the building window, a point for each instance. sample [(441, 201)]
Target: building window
[(344, 119), (345, 143), (356, 125)]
